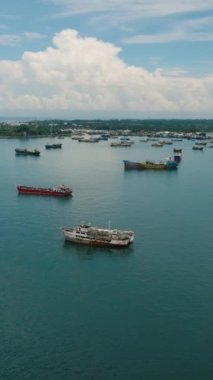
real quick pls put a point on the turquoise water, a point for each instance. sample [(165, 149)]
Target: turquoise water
[(83, 313)]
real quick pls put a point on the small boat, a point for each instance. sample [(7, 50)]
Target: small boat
[(58, 191), (89, 139), (86, 234), (151, 165), (26, 152), (158, 145), (76, 137), (201, 143), (175, 150), (197, 147), (166, 142), (177, 157), (53, 146), (121, 143), (103, 137)]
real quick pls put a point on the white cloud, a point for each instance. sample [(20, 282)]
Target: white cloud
[(15, 39), (151, 8), (191, 30), (9, 39), (124, 14), (85, 75), (169, 37), (34, 36)]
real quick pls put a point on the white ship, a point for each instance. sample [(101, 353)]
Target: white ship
[(86, 234)]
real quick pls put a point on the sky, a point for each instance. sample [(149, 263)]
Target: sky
[(106, 59)]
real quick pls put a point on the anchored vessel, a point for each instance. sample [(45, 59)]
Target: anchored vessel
[(86, 234), (177, 157), (151, 165), (196, 147), (123, 143), (53, 146), (26, 152), (59, 191), (158, 145)]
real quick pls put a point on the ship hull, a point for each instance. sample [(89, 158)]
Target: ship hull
[(95, 242), (25, 152), (149, 165), (53, 146), (43, 191), (71, 236)]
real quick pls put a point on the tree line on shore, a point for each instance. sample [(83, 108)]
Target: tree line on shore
[(65, 127)]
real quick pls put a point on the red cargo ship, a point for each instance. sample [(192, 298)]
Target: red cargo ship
[(58, 191)]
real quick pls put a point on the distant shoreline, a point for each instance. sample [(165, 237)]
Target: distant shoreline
[(57, 128)]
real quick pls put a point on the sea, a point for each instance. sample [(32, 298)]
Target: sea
[(73, 312)]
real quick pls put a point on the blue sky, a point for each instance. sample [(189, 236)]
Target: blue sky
[(109, 58)]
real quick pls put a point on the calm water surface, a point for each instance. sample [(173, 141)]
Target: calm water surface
[(83, 313)]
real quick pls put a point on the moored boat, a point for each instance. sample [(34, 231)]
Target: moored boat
[(87, 234), (201, 143), (26, 152), (166, 142), (121, 144), (58, 191), (53, 146), (177, 157), (158, 145), (196, 147), (176, 150), (89, 139), (151, 165)]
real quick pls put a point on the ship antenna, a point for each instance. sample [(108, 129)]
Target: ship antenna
[(109, 225)]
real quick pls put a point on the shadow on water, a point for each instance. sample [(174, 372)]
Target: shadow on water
[(90, 252), (27, 156)]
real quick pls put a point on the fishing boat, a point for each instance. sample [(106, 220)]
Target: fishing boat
[(26, 152), (177, 157), (201, 143), (89, 139), (58, 191), (176, 150), (197, 147), (87, 234), (166, 142), (158, 145), (121, 144), (151, 165), (53, 146)]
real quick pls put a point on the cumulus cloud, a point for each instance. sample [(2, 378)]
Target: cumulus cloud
[(86, 75)]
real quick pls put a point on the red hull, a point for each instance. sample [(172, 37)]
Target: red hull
[(44, 191)]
